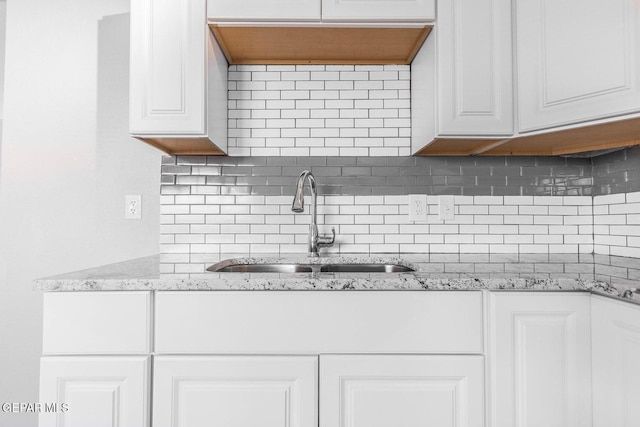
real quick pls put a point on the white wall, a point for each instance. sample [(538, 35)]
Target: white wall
[(67, 162)]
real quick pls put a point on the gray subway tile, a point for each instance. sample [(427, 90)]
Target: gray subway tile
[(341, 161), (266, 190), (476, 170), (175, 170), (356, 170), (311, 161), (192, 160), (404, 161), (235, 190), (460, 180), (266, 171), (505, 191), (221, 180), (324, 171), (237, 170), (401, 180), (371, 161)]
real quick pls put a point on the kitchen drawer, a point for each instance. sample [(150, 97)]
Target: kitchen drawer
[(97, 323), (313, 322)]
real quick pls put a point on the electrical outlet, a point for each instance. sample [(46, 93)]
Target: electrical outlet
[(446, 208), (418, 207), (133, 206)]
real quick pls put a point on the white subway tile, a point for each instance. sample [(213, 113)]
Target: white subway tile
[(325, 75), (266, 75), (325, 114), (633, 197), (324, 151), (368, 84), (339, 85), (354, 94), (383, 151), (629, 208), (348, 151), (250, 238), (609, 199), (385, 248), (234, 228)]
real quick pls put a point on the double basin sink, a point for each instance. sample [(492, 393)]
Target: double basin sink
[(310, 268)]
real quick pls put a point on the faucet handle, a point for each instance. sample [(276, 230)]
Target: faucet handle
[(324, 241)]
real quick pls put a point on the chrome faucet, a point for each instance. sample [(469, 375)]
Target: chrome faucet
[(315, 240)]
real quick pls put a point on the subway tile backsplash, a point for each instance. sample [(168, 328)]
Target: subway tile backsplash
[(503, 205), (319, 110)]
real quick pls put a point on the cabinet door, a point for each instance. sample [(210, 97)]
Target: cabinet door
[(616, 367), (540, 359), (382, 391), (278, 10), (95, 391), (578, 60), (379, 10), (168, 76), (235, 391), (474, 68)]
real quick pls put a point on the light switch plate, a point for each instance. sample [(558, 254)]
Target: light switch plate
[(418, 207), (446, 208)]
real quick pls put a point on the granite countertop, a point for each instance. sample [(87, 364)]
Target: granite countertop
[(606, 275)]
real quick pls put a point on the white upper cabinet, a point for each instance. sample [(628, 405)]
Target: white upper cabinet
[(379, 10), (178, 85), (578, 60), (475, 95), (461, 79), (616, 371), (274, 10), (540, 362), (168, 67)]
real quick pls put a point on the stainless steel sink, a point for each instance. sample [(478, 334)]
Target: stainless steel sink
[(311, 268), (364, 268), (263, 268)]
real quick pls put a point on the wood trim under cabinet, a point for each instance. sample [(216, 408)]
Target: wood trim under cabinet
[(183, 146), (319, 44), (618, 134)]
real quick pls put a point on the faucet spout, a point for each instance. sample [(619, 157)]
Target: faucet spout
[(315, 240)]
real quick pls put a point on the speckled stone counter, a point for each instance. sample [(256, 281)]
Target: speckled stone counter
[(617, 277)]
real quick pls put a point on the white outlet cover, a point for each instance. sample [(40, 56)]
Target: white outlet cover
[(133, 206), (418, 208), (446, 208)]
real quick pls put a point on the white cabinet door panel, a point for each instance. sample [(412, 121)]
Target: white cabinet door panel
[(235, 391), (168, 73), (540, 359), (378, 10), (578, 60), (98, 391), (382, 391), (616, 367), (475, 67), (274, 10)]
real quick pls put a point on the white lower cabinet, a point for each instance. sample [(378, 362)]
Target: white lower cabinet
[(540, 362), (616, 363), (355, 391), (401, 390), (340, 359), (94, 391)]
